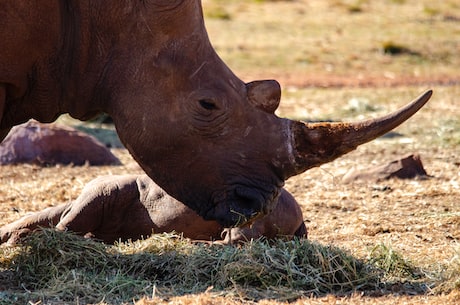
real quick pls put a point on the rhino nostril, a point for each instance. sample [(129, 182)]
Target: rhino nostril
[(248, 194), (252, 201)]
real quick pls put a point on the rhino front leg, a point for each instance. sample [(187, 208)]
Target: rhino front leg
[(49, 217), (101, 209), (237, 235)]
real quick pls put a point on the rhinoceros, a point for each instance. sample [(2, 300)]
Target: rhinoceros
[(206, 137), (112, 208)]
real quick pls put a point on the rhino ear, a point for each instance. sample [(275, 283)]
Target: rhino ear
[(264, 94)]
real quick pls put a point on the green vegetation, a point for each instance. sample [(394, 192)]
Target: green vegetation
[(391, 262), (392, 48), (217, 11), (262, 1), (67, 267)]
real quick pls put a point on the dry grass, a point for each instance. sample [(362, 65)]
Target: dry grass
[(58, 267), (339, 42), (61, 268)]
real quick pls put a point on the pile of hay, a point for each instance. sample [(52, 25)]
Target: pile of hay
[(57, 267), (53, 267)]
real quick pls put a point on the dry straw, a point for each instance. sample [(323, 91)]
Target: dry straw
[(58, 267)]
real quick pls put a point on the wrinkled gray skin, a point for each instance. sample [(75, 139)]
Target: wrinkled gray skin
[(176, 106), (113, 208)]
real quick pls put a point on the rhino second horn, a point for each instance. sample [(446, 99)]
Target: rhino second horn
[(314, 144), (264, 94)]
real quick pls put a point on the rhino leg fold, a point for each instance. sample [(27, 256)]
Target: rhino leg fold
[(108, 209)]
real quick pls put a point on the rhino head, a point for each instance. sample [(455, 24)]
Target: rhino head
[(209, 139), (213, 141)]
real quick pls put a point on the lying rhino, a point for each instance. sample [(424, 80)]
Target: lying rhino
[(112, 208)]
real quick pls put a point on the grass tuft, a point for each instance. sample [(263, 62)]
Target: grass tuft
[(450, 279), (53, 267), (454, 270), (392, 262), (59, 267), (263, 1), (392, 48), (217, 11)]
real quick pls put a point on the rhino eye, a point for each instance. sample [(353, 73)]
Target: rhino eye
[(207, 104)]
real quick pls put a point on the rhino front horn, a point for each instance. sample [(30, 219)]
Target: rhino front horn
[(313, 144)]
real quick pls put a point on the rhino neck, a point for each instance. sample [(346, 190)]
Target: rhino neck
[(81, 64), (62, 73), (28, 88), (86, 57), (108, 52)]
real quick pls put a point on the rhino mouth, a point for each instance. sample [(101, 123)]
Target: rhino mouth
[(242, 205)]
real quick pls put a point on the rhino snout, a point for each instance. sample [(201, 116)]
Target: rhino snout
[(251, 203), (241, 205)]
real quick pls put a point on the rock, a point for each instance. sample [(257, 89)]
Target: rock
[(50, 144), (407, 167)]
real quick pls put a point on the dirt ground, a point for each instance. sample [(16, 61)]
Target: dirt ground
[(419, 218)]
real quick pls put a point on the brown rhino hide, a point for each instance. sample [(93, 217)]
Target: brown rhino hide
[(407, 167), (50, 144)]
